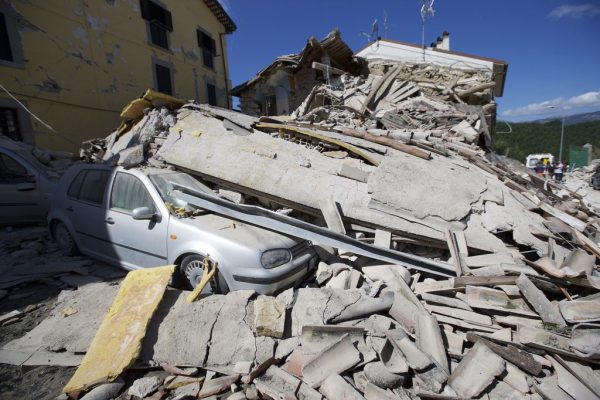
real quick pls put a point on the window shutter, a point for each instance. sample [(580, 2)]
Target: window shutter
[(145, 8), (168, 20), (214, 46)]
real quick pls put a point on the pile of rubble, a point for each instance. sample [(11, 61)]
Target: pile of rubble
[(493, 288), (54, 162)]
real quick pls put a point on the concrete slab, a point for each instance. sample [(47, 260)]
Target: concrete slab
[(180, 332)]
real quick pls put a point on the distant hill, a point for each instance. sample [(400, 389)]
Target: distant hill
[(573, 119), (544, 137)]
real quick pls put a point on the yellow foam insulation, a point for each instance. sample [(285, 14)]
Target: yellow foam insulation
[(118, 341)]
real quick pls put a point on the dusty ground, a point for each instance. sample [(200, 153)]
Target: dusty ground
[(36, 300), (30, 382)]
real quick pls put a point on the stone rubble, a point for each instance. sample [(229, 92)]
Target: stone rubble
[(401, 158)]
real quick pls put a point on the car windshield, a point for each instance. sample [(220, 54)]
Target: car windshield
[(163, 183)]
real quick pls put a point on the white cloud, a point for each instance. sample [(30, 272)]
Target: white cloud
[(226, 4), (575, 11), (589, 99)]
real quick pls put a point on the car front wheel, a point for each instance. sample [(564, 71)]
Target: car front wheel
[(64, 240), (192, 271)]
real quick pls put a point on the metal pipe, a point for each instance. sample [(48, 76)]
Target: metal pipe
[(294, 227)]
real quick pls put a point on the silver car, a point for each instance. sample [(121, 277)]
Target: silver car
[(122, 216), (26, 185)]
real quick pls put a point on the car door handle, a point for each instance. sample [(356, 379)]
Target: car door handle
[(70, 208), (109, 220)]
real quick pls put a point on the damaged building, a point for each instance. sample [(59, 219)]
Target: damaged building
[(284, 84), (88, 59), (280, 88), (443, 271)]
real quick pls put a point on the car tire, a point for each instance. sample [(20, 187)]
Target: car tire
[(64, 240), (191, 272)]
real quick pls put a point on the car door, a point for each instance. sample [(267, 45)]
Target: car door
[(138, 243), (20, 200), (85, 206)]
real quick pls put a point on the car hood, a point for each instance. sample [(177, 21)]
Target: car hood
[(251, 236)]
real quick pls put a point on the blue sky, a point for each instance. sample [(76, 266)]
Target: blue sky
[(552, 46)]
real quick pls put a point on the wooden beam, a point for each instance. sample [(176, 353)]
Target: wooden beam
[(386, 141)]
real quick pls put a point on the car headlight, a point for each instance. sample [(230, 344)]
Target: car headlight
[(274, 258)]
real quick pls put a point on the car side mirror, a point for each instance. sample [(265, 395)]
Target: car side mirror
[(142, 213), (26, 186)]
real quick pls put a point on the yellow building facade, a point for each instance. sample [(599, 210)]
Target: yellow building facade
[(75, 63)]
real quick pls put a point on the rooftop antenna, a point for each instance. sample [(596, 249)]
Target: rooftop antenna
[(373, 36), (385, 24), (427, 11)]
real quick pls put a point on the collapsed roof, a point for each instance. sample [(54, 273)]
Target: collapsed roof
[(332, 46)]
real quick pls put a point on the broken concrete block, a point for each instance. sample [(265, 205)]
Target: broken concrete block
[(393, 359), (476, 371), (276, 383), (339, 281), (144, 386), (337, 358), (188, 391), (105, 391), (415, 358), (335, 387), (316, 338), (379, 375), (538, 300), (405, 312), (365, 306), (348, 171), (217, 385), (309, 308), (373, 392), (387, 273), (578, 311), (429, 340), (131, 156), (269, 317), (230, 195)]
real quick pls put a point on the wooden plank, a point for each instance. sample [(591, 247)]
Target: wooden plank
[(383, 82), (493, 299), (564, 217), (468, 316), (443, 319), (520, 358), (386, 141), (327, 69), (323, 138)]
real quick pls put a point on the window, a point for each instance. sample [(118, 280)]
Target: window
[(9, 123), (159, 22), (128, 193), (89, 185), (11, 171), (5, 50), (212, 94), (75, 187), (209, 48), (162, 74)]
